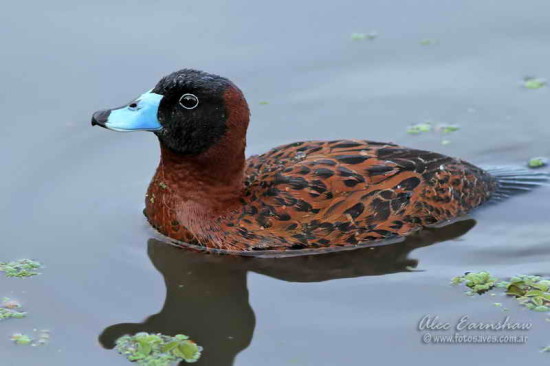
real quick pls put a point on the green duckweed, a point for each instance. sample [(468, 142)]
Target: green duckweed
[(20, 268), (9, 309), (448, 128), (40, 338), (420, 128), (538, 162), (428, 42), (533, 83), (158, 349), (23, 339), (364, 36), (533, 292), (478, 283), (440, 129)]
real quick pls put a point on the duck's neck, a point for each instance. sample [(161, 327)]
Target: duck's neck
[(190, 195), (212, 181)]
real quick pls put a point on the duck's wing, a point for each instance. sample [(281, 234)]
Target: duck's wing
[(345, 192)]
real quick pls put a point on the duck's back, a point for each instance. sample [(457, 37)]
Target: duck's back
[(328, 194)]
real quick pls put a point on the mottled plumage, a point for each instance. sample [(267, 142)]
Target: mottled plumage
[(301, 198), (334, 194)]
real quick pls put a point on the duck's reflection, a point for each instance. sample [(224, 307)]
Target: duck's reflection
[(207, 295)]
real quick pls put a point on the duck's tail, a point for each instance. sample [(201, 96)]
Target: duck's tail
[(514, 180)]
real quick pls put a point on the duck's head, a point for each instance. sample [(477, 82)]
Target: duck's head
[(189, 110)]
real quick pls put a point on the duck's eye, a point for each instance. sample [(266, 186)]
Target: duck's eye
[(133, 106), (189, 101)]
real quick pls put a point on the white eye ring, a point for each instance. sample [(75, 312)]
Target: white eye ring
[(196, 100)]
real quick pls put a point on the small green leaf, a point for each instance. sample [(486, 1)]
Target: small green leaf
[(448, 128), (533, 83), (538, 162), (169, 346), (145, 348), (419, 128), (364, 36), (532, 293), (21, 339), (515, 291), (428, 42), (188, 351)]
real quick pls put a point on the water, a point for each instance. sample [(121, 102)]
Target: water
[(73, 195)]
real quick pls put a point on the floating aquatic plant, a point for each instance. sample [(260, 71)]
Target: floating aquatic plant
[(10, 309), (7, 314), (533, 83), (537, 162), (364, 36), (443, 128), (440, 129), (478, 283), (19, 338), (42, 338), (420, 128), (158, 349), (532, 292), (20, 268), (545, 349), (263, 102), (428, 42)]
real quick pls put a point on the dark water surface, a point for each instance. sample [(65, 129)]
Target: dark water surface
[(72, 195)]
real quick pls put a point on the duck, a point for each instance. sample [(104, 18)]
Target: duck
[(306, 197)]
